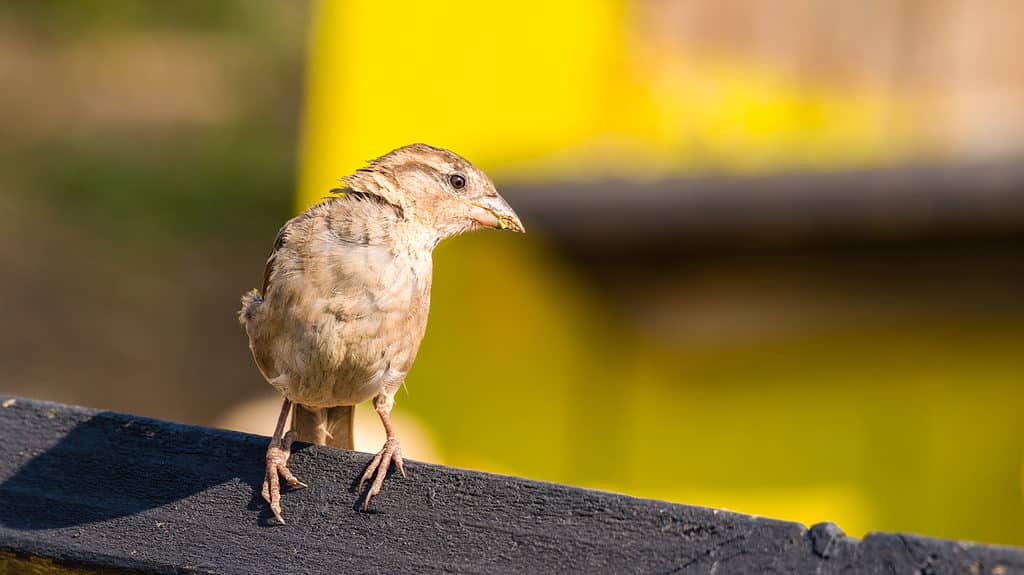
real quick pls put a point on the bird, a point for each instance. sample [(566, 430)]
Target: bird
[(345, 296)]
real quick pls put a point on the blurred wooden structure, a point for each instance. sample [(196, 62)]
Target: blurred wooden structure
[(907, 202)]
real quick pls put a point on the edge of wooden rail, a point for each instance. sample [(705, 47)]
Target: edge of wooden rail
[(83, 490)]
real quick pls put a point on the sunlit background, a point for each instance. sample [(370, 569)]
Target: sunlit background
[(774, 260)]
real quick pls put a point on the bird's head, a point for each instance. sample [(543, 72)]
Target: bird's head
[(436, 188)]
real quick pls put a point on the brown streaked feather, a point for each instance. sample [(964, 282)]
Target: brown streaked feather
[(344, 305), (278, 244)]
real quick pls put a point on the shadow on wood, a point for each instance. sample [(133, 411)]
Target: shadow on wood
[(100, 490), (124, 471)]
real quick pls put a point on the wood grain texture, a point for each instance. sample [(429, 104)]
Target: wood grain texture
[(98, 489)]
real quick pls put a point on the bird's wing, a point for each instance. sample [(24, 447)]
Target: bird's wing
[(334, 295)]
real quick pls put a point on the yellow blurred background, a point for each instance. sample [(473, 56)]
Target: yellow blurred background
[(765, 269)]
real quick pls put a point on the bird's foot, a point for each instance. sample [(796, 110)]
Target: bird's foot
[(378, 468), (277, 460)]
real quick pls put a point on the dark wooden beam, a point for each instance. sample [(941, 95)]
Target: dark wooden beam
[(981, 199), (89, 490)]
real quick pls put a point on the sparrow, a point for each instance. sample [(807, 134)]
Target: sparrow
[(345, 296)]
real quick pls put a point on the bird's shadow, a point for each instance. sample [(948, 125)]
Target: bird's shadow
[(362, 494), (112, 465)]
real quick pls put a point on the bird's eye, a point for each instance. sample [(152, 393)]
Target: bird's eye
[(457, 181)]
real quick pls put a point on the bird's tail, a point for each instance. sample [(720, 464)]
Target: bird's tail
[(324, 425)]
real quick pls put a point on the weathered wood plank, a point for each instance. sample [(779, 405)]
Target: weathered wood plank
[(104, 490)]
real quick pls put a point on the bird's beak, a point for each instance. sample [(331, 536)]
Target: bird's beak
[(494, 212)]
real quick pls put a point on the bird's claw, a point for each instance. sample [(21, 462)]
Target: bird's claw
[(379, 466), (277, 467)]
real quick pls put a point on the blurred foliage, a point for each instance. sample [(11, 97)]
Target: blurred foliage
[(99, 15), (212, 184), (148, 160), (164, 176)]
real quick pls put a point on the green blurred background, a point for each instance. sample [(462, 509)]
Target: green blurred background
[(720, 300)]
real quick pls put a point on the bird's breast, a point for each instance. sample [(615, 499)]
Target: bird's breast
[(362, 334)]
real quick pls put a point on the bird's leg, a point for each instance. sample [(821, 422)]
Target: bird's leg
[(277, 460), (391, 452)]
